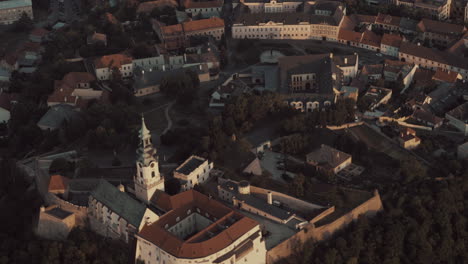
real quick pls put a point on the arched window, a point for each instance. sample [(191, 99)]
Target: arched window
[(153, 174)]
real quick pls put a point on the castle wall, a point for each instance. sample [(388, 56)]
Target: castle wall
[(81, 212), (292, 245)]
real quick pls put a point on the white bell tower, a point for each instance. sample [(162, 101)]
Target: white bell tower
[(147, 179)]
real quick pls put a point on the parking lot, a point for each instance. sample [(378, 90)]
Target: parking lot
[(273, 162)]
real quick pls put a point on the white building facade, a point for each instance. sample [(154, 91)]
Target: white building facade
[(105, 66), (195, 170)]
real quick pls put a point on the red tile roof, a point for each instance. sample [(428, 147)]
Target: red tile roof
[(370, 38), (201, 244), (58, 183), (388, 20), (203, 24), (446, 76), (433, 26), (147, 7), (64, 89), (349, 35), (392, 40), (114, 60)]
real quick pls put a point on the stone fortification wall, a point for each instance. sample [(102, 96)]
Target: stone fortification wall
[(347, 125), (81, 212), (290, 246)]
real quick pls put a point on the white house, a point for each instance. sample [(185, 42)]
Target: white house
[(194, 170), (105, 65)]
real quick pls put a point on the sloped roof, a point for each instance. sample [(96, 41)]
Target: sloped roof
[(203, 243), (203, 24), (370, 38), (392, 40), (119, 202), (114, 60), (433, 26), (446, 76), (202, 4), (327, 156), (57, 183), (388, 19), (349, 35)]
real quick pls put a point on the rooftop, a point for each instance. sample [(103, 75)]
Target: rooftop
[(119, 202), (190, 165), (227, 226), (114, 60), (392, 40), (256, 202), (328, 156), (58, 183), (428, 25), (460, 112), (59, 213)]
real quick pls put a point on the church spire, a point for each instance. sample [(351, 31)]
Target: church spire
[(146, 152)]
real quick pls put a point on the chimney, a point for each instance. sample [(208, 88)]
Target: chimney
[(331, 55), (269, 197), (42, 209), (185, 58), (164, 67), (346, 60), (121, 188), (201, 68)]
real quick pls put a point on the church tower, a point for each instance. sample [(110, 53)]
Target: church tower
[(147, 179)]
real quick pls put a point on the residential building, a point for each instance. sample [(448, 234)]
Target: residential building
[(458, 118), (177, 36), (104, 66), (203, 9), (408, 139), (427, 118), (195, 170), (439, 10), (371, 72), (7, 102), (446, 76), (433, 59), (272, 6), (376, 96), (148, 7), (58, 185), (318, 23), (348, 64), (113, 213), (74, 89), (196, 228), (371, 41), (147, 179), (310, 74), (439, 33), (390, 44), (387, 22), (395, 71), (12, 10), (149, 81), (57, 115), (328, 159)]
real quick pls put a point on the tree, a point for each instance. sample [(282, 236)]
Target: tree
[(297, 185), (412, 169), (24, 23)]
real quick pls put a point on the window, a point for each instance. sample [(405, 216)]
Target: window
[(153, 174)]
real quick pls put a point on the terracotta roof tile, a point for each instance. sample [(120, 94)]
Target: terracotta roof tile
[(392, 40), (58, 183), (370, 38), (349, 35), (428, 25), (114, 60), (203, 24), (446, 76), (388, 20), (203, 243)]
